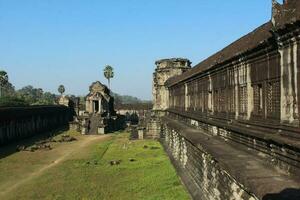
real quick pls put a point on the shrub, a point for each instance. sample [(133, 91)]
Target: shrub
[(12, 102)]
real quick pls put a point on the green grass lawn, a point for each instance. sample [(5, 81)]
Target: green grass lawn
[(87, 173)]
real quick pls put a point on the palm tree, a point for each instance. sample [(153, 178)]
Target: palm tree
[(108, 73), (3, 81), (61, 89)]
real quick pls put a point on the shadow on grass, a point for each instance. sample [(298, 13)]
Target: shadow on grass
[(11, 148)]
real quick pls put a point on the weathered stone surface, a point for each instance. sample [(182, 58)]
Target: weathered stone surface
[(19, 123), (99, 100), (231, 124), (165, 69), (221, 170)]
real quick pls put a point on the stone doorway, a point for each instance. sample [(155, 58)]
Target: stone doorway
[(96, 106)]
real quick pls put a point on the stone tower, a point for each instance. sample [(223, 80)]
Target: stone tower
[(165, 69)]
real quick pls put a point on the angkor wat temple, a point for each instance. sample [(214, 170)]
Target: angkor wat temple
[(231, 123)]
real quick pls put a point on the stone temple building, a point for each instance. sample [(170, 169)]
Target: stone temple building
[(231, 123), (165, 69), (99, 101), (100, 116)]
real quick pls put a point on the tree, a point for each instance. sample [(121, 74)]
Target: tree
[(108, 73), (10, 89), (61, 89), (29, 94), (48, 99), (39, 93), (3, 81)]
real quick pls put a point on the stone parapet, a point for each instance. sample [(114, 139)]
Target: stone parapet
[(214, 169), (276, 146)]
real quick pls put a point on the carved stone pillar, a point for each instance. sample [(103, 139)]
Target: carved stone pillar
[(100, 106), (250, 104), (236, 92), (289, 84), (87, 105), (210, 95), (298, 78), (186, 97)]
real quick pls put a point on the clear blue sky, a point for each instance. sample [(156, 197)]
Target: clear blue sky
[(50, 42)]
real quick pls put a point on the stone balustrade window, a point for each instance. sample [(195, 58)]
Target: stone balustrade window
[(273, 99), (243, 100), (258, 99)]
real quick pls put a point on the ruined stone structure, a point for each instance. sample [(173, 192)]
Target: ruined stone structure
[(231, 123), (19, 123), (165, 69), (99, 99), (64, 100), (100, 116)]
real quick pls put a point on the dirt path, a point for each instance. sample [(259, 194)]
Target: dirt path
[(68, 151)]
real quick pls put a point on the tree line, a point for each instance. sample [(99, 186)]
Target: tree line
[(29, 95), (25, 96)]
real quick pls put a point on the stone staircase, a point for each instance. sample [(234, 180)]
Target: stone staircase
[(94, 123)]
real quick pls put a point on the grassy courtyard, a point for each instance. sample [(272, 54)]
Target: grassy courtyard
[(82, 170)]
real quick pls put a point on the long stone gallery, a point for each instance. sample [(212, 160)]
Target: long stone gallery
[(227, 128), (231, 123)]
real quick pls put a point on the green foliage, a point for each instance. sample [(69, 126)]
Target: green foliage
[(3, 77), (36, 96), (127, 99), (6, 88), (87, 174), (108, 73), (61, 89), (12, 102), (28, 95)]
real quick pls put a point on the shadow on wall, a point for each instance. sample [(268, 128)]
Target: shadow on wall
[(286, 194)]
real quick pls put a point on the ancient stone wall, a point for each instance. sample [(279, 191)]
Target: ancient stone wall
[(234, 117), (19, 123), (215, 163), (261, 86), (202, 174), (165, 69), (273, 149)]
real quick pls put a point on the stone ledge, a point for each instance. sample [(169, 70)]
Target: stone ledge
[(248, 169), (285, 137)]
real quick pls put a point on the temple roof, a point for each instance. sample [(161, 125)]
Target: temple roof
[(288, 13), (172, 60), (99, 88), (240, 46)]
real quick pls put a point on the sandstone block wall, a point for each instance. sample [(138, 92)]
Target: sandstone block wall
[(202, 174)]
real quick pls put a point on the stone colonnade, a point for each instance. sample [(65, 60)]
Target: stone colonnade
[(19, 123)]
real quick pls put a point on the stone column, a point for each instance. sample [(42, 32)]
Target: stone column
[(210, 103), (166, 98), (250, 103), (236, 91), (298, 78), (289, 83), (186, 97), (296, 56), (87, 106), (99, 106)]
